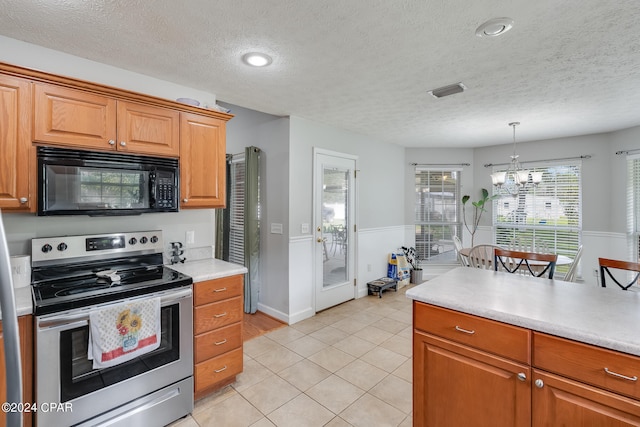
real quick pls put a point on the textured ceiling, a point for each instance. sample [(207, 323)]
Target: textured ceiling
[(566, 68)]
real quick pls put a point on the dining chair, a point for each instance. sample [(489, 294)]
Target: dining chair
[(606, 265), (570, 275), (537, 264), (481, 256), (458, 244)]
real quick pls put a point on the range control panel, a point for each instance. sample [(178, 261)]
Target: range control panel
[(47, 249)]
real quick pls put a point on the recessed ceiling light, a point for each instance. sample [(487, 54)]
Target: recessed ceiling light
[(256, 59), (494, 27)]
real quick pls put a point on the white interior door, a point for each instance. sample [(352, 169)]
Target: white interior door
[(334, 220)]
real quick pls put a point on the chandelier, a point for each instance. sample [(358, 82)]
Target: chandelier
[(514, 178)]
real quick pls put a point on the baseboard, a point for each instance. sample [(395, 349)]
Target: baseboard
[(276, 314)]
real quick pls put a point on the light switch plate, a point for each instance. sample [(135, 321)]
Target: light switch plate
[(190, 237), (304, 228), (276, 228)]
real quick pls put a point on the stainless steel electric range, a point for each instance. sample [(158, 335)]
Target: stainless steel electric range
[(73, 275)]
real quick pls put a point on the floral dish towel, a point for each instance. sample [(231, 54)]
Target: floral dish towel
[(123, 332)]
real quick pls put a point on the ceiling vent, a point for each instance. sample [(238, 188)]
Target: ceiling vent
[(447, 90)]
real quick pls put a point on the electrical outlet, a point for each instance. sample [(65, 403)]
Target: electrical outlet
[(190, 237)]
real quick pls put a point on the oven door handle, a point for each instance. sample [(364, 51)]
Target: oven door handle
[(82, 318)]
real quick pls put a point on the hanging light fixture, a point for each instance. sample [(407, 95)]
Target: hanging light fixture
[(514, 178)]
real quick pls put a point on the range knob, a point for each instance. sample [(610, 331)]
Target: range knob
[(154, 239), (47, 248), (62, 247), (143, 240), (133, 241)]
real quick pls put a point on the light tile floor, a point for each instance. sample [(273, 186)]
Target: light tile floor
[(349, 365)]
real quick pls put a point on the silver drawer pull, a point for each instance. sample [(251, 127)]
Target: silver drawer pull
[(220, 290), (617, 375), (221, 342), (221, 369), (221, 315), (466, 331)]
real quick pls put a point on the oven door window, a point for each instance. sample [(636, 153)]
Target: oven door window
[(88, 188), (77, 376)]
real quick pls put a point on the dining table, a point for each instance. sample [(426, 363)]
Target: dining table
[(562, 259)]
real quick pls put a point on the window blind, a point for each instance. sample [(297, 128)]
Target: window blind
[(437, 214), (633, 206), (236, 210), (546, 218)]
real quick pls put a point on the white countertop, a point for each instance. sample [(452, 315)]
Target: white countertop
[(605, 317), (208, 269), (24, 304)]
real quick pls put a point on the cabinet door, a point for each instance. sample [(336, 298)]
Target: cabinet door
[(144, 129), (562, 402), (25, 324), (455, 385), (202, 161), (15, 143), (72, 117)]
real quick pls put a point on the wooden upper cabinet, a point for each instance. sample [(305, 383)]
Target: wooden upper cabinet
[(145, 129), (15, 143), (202, 161), (73, 117), (77, 118)]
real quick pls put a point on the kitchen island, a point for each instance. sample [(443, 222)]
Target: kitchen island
[(492, 348)]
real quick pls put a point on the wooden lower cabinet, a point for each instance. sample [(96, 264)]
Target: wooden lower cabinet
[(25, 325), (217, 326), (558, 401), (459, 379), (455, 385)]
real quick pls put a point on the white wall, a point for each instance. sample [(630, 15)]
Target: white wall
[(379, 211), (29, 55), (271, 134)]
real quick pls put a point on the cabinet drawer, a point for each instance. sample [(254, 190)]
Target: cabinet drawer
[(215, 315), (217, 369), (217, 290), (484, 334), (587, 363), (216, 342)]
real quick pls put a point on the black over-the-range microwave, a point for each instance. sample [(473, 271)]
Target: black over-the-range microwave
[(76, 182)]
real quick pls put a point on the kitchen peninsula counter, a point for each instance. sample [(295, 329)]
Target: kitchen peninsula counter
[(604, 317), (208, 269)]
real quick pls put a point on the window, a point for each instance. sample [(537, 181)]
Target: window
[(633, 205), (437, 214), (236, 210), (546, 218)]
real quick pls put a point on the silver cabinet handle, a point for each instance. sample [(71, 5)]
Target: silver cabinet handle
[(23, 200), (221, 369), (220, 290), (224, 341), (522, 376), (539, 383), (220, 315), (466, 331), (185, 200), (112, 142), (617, 375), (123, 144)]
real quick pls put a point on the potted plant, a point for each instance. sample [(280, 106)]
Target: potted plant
[(416, 270), (478, 208)]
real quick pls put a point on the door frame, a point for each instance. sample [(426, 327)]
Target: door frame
[(316, 220)]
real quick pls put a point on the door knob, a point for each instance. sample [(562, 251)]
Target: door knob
[(23, 200), (185, 200), (112, 142), (539, 383), (320, 240), (123, 144)]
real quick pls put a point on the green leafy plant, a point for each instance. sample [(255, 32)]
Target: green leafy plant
[(478, 209)]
